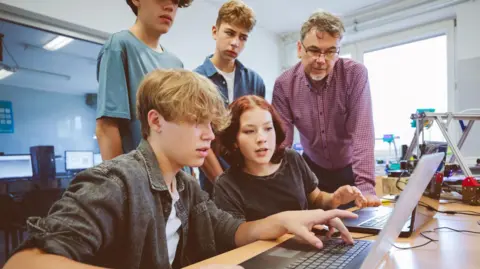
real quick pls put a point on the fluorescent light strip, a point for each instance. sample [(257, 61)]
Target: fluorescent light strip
[(57, 43), (5, 73)]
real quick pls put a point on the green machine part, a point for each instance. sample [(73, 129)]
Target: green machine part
[(420, 110)]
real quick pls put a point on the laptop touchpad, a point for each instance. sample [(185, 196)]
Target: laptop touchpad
[(284, 253)]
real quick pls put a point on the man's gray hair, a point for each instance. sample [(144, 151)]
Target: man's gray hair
[(323, 21)]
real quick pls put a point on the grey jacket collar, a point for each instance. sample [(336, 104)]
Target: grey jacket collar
[(155, 175)]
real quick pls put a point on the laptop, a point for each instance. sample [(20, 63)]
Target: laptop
[(372, 220), (364, 254)]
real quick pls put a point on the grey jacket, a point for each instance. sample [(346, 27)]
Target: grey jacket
[(114, 215)]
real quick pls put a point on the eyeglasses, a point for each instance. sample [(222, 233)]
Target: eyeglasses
[(317, 53)]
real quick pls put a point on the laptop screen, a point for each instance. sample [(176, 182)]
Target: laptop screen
[(78, 160), (16, 166), (409, 199)]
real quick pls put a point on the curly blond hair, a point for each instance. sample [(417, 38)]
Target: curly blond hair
[(180, 95), (237, 13)]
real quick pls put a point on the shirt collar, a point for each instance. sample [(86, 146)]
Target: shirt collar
[(154, 173), (210, 69)]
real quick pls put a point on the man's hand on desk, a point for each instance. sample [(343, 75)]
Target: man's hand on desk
[(347, 193), (299, 223), (372, 201)]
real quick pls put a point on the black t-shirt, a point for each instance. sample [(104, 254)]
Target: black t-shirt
[(251, 197)]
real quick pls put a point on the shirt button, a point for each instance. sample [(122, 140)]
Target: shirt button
[(224, 83), (321, 113), (323, 131)]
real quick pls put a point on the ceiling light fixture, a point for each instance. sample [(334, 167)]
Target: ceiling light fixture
[(57, 43)]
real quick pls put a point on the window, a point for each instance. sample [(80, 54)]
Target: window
[(404, 78), (408, 70)]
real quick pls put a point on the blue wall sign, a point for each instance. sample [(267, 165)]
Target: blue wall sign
[(6, 117)]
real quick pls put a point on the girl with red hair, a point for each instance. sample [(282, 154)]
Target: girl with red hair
[(264, 177)]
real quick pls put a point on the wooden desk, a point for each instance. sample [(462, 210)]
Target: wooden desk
[(452, 251)]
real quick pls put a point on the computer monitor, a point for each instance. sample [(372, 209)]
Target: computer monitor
[(16, 166), (78, 160), (97, 159)]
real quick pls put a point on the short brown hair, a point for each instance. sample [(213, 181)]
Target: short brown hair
[(228, 137), (180, 95), (323, 21), (237, 13), (181, 3)]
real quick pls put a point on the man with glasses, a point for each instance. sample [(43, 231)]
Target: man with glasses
[(327, 99)]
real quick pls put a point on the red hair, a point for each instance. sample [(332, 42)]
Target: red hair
[(228, 137)]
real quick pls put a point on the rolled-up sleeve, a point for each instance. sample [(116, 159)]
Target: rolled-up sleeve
[(83, 222), (310, 180), (113, 99)]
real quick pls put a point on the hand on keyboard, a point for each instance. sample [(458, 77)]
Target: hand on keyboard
[(335, 225), (301, 223)]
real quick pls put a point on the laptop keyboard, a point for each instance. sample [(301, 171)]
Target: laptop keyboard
[(378, 221), (333, 255)]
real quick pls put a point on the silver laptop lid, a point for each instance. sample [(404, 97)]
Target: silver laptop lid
[(409, 198)]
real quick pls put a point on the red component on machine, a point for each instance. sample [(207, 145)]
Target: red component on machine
[(439, 177), (470, 182)]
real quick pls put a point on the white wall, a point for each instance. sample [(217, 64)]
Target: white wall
[(190, 37), (262, 51), (468, 80), (468, 34)]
